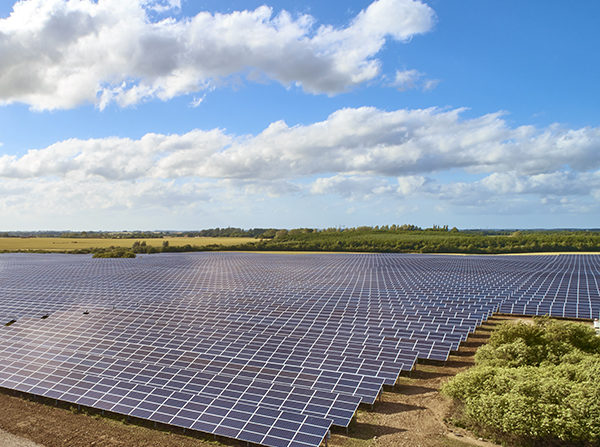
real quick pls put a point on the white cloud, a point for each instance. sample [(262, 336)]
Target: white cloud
[(413, 79), (353, 187), (510, 192), (430, 84), (357, 154), (407, 79), (411, 184), (72, 196), (197, 101), (58, 54), (162, 6), (363, 141)]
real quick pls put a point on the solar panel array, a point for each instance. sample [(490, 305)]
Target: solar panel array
[(267, 348)]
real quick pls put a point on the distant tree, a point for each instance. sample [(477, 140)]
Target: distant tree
[(268, 234)]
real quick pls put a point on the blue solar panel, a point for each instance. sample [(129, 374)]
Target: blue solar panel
[(265, 348)]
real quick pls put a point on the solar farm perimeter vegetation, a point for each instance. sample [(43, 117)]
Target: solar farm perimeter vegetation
[(366, 239), (362, 239), (264, 348)]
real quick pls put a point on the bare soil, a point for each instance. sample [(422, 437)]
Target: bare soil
[(9, 440), (412, 413)]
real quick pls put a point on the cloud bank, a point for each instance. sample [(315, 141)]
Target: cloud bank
[(59, 54), (355, 154)]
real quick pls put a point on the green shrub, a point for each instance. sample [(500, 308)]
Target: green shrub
[(545, 340), (535, 383), (114, 253)]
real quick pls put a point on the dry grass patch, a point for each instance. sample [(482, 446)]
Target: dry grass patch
[(60, 244)]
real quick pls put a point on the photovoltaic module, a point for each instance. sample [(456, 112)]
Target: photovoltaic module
[(271, 349)]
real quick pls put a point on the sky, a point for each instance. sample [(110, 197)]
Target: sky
[(191, 114)]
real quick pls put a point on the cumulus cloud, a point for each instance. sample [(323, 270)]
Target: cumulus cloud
[(364, 141), (353, 187), (496, 187), (357, 154), (58, 54), (72, 195)]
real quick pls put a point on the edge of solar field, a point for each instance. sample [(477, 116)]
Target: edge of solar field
[(242, 420), (312, 431)]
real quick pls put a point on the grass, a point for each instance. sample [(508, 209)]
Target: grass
[(66, 244)]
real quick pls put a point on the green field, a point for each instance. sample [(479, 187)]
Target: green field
[(62, 244)]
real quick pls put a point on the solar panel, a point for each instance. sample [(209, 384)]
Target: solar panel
[(266, 348), (227, 417)]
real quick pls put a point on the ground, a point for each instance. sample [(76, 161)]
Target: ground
[(9, 440), (412, 414)]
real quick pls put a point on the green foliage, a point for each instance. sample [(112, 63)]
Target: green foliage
[(113, 252), (544, 341), (232, 232), (142, 247), (534, 384), (268, 234), (406, 239), (438, 239), (385, 239), (382, 239)]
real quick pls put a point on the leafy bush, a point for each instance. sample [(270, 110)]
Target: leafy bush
[(544, 341), (113, 253), (534, 384)]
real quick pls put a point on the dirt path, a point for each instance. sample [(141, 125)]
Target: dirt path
[(410, 415), (10, 440)]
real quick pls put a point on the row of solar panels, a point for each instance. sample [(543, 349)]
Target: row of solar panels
[(288, 334), (428, 342), (220, 416)]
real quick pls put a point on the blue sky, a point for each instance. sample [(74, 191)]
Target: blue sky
[(166, 114)]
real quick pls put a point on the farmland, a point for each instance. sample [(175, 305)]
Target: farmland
[(394, 239), (63, 244)]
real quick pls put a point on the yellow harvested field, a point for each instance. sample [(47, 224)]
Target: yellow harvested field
[(62, 244)]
